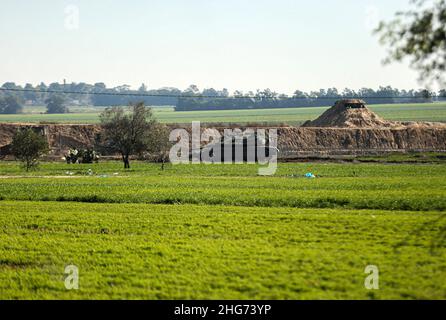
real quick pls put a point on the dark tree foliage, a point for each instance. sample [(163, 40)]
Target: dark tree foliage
[(28, 146), (56, 104), (127, 133), (420, 35), (267, 99), (10, 104), (193, 98), (158, 144)]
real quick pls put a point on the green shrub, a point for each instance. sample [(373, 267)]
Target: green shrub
[(28, 146)]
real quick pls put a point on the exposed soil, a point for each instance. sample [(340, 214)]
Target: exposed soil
[(360, 141), (60, 137), (348, 128), (355, 114)]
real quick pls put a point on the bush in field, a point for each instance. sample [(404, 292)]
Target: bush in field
[(28, 146)]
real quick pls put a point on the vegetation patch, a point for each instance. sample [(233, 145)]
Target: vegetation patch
[(139, 251)]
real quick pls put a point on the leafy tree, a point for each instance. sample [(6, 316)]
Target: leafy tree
[(10, 85), (127, 133), (418, 34), (142, 88), (223, 93), (56, 104), (56, 86), (30, 94), (12, 89), (158, 144), (238, 94), (192, 90), (299, 94), (41, 96), (123, 88), (28, 146), (10, 105)]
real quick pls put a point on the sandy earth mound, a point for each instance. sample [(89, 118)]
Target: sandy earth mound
[(348, 114), (355, 114)]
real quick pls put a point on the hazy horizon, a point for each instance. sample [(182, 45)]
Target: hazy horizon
[(283, 45)]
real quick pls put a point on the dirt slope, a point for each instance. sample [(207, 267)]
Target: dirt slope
[(355, 114), (332, 141), (60, 137), (341, 130)]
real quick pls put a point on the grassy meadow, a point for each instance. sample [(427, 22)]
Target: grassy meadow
[(222, 231), (435, 112)]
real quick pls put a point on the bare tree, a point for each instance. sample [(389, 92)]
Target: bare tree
[(127, 133)]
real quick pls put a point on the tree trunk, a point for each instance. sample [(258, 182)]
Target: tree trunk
[(125, 159)]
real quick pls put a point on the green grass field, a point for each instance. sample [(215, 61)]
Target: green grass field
[(222, 231), (294, 116)]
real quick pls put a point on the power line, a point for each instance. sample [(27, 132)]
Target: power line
[(134, 94)]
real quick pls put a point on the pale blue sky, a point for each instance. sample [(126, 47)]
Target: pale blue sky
[(282, 44)]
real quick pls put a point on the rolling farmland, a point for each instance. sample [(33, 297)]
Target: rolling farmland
[(435, 112), (222, 160), (222, 232)]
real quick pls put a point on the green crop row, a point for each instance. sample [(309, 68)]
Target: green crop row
[(284, 170), (139, 251), (372, 189)]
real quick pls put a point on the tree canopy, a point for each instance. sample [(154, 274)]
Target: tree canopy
[(10, 104), (128, 132), (28, 146), (56, 104), (420, 35)]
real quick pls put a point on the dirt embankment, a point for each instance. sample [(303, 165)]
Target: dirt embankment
[(320, 141), (60, 137), (302, 141), (349, 127)]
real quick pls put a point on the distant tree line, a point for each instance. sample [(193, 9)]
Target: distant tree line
[(269, 99), (192, 98), (97, 94)]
